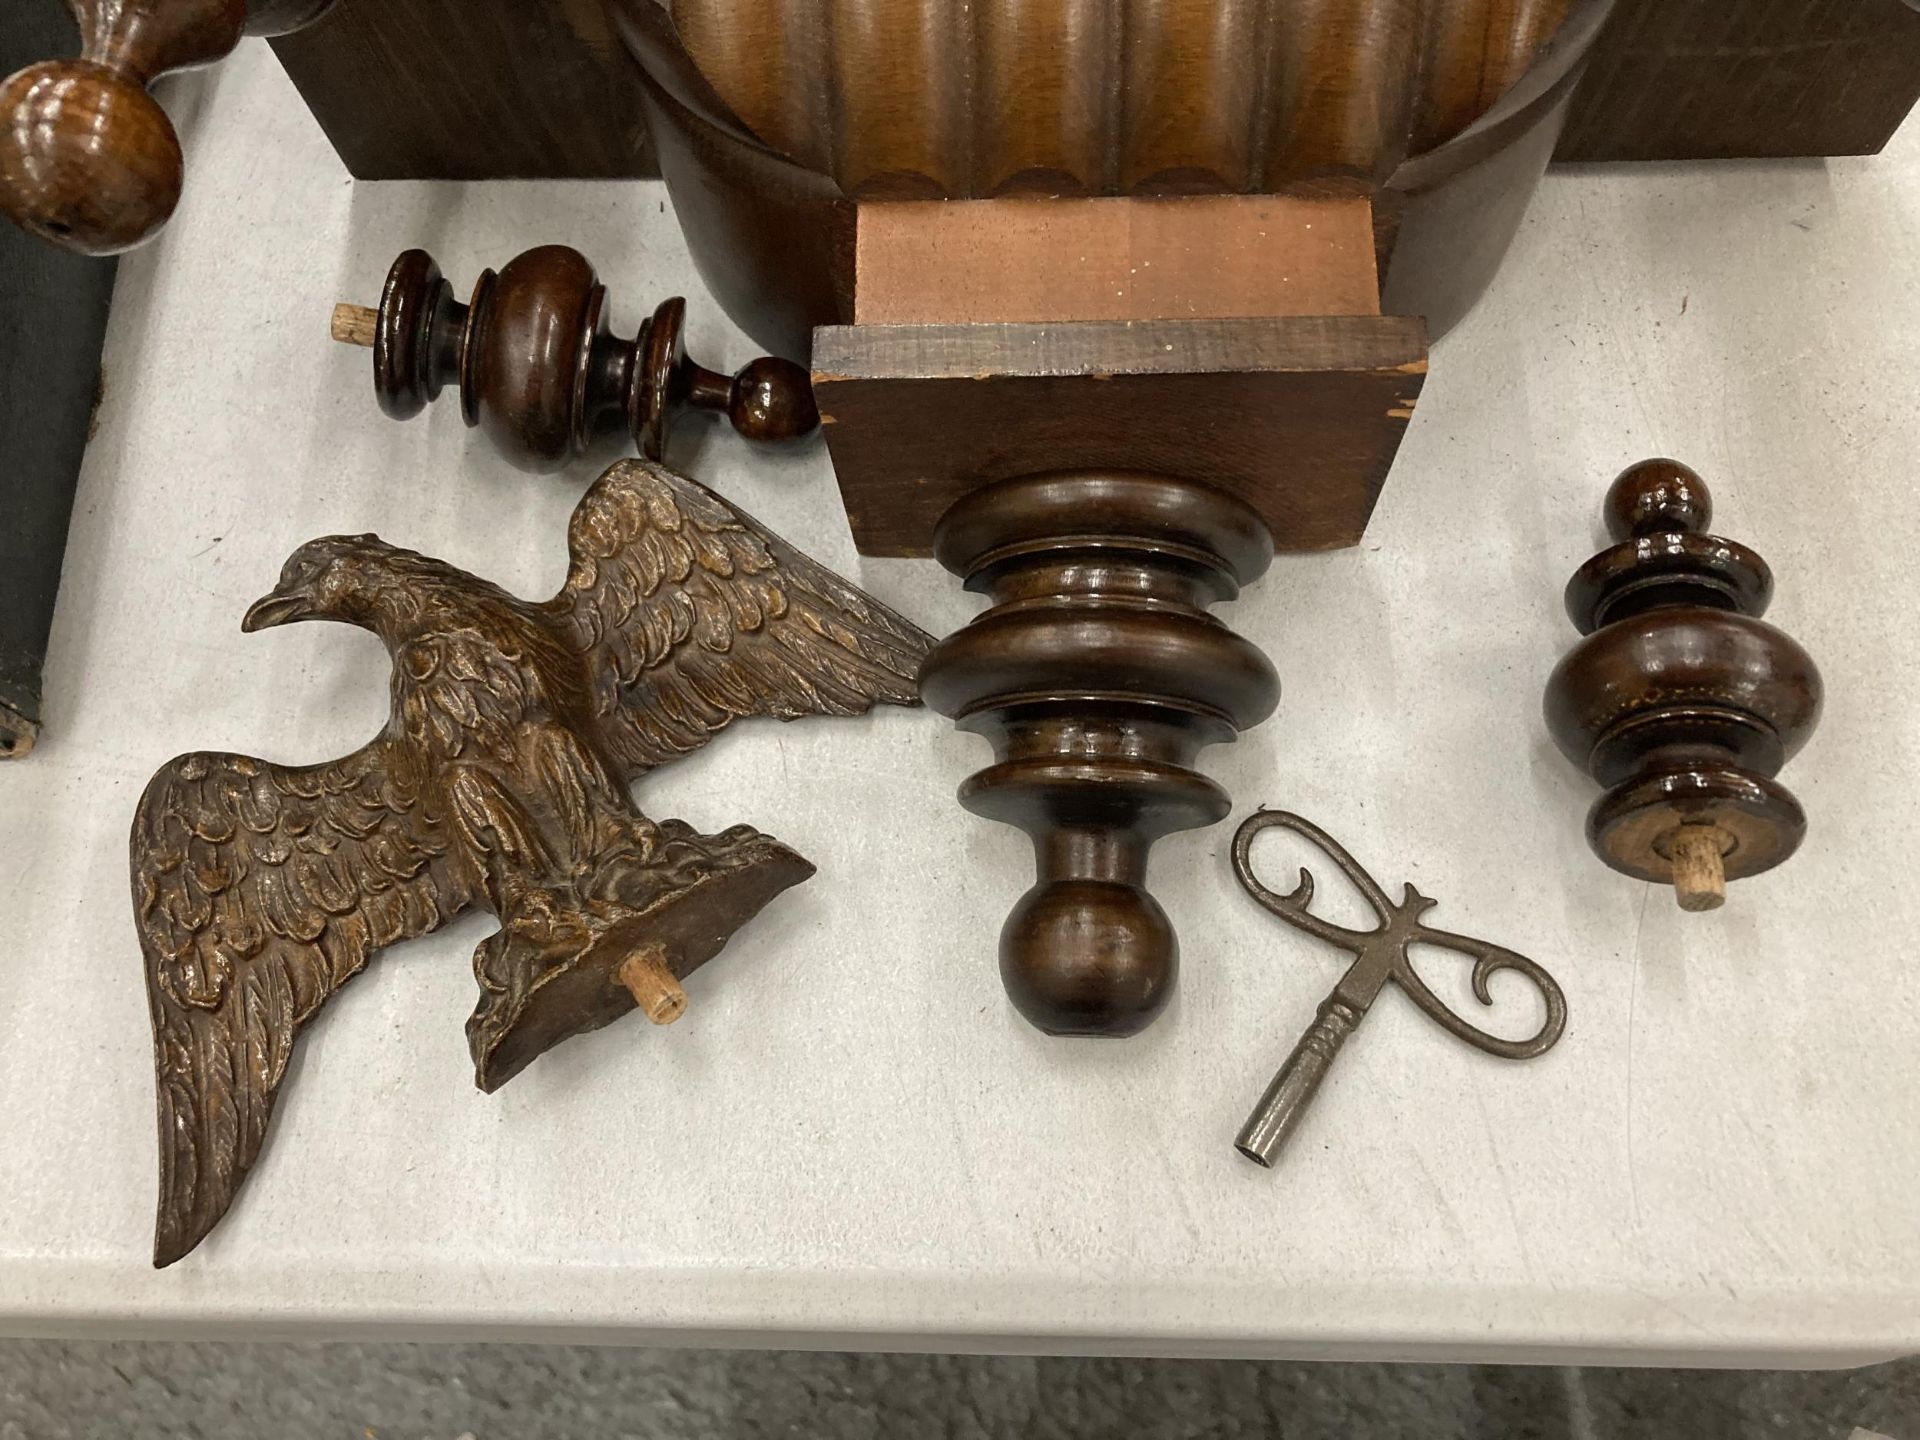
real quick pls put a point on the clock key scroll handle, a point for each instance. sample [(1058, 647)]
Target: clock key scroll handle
[(88, 159), (1381, 955)]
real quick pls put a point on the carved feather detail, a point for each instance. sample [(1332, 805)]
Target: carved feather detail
[(693, 616), (500, 779), (258, 892)]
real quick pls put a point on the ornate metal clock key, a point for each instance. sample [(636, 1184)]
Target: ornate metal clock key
[(1382, 956)]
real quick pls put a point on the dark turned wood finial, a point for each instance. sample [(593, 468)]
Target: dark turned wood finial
[(539, 370), (1681, 700), (88, 159), (1098, 675)]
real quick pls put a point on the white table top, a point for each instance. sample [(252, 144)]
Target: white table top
[(851, 1140)]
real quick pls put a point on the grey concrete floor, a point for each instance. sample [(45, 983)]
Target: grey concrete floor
[(53, 1390)]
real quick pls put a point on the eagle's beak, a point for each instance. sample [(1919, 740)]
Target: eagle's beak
[(275, 608)]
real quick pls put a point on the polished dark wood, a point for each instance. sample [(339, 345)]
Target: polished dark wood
[(488, 89), (473, 90), (1681, 700), (775, 122), (1098, 675), (88, 159), (1130, 96), (1297, 416), (502, 780), (1739, 79), (539, 370)]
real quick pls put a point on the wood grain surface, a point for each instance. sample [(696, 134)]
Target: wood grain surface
[(1734, 79), (1195, 258), (917, 415), (922, 97), (472, 90)]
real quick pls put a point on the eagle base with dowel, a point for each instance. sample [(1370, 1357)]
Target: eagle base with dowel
[(646, 927)]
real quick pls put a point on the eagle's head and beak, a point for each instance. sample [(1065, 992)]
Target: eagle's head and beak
[(321, 581)]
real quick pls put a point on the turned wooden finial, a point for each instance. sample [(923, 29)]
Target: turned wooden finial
[(1681, 700), (539, 370), (88, 159), (1098, 676)]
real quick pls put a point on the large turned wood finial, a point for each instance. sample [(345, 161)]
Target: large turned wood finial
[(1098, 675), (88, 159), (1681, 700), (539, 370)]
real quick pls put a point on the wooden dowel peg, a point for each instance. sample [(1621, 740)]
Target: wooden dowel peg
[(653, 985), (1699, 872), (355, 325), (541, 373)]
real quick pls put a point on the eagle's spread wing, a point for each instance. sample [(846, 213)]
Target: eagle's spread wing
[(260, 890), (692, 616)]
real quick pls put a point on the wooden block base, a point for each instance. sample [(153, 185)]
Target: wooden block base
[(1298, 416)]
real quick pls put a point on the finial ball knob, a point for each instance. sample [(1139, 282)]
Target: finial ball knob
[(88, 159), (1088, 957), (1657, 497), (772, 399)]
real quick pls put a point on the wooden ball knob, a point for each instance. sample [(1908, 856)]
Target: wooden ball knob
[(772, 399), (88, 159), (1681, 700), (539, 370), (1657, 497), (1089, 957)]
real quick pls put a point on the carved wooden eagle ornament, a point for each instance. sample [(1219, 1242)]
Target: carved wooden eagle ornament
[(501, 779)]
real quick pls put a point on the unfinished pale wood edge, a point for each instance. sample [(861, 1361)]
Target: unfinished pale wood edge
[(1281, 344), (355, 325), (1699, 871), (653, 985)]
